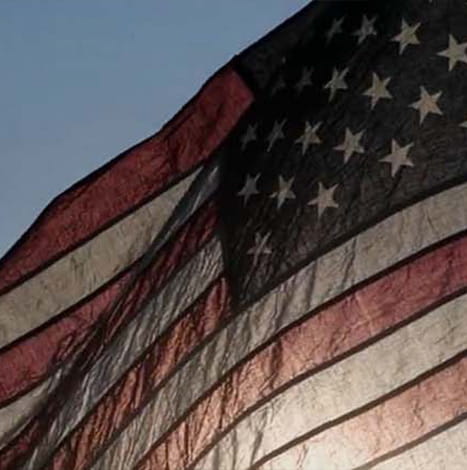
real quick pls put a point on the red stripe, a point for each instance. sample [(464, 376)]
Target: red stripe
[(80, 323), (140, 382), (131, 179), (317, 342)]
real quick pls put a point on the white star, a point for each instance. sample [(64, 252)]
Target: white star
[(249, 135), (324, 199), (456, 52), (276, 134), (378, 90), (427, 104), (260, 247), (367, 29), (336, 28), (284, 192), (398, 157), (407, 36), (249, 188), (337, 82), (464, 124), (305, 79), (351, 144), (309, 136)]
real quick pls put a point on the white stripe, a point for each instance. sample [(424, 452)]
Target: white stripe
[(394, 239), (14, 417), (176, 296), (446, 451), (85, 269), (348, 385)]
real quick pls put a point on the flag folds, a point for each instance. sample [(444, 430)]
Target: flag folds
[(276, 280)]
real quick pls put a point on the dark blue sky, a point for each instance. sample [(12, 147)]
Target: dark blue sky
[(81, 80)]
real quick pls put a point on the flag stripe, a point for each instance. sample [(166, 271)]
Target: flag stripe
[(446, 449), (27, 363), (343, 330), (371, 252), (380, 427), (127, 345), (177, 255), (14, 417), (145, 376), (402, 449), (130, 180), (69, 280)]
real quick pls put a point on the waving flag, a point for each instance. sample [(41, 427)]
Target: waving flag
[(276, 280)]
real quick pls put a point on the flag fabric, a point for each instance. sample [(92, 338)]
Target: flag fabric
[(276, 280)]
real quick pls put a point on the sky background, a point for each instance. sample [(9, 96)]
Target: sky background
[(82, 80)]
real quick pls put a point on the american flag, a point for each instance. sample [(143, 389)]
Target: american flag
[(274, 281)]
